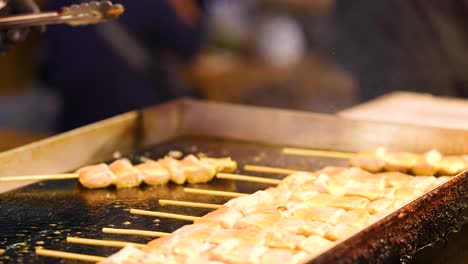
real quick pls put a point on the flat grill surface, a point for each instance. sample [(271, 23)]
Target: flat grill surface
[(45, 213)]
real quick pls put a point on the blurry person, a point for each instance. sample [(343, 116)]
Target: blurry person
[(107, 69), (23, 100), (415, 45), (13, 36)]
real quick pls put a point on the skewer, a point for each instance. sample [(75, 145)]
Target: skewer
[(163, 202), (111, 173), (62, 176), (101, 242), (248, 178), (266, 169), (318, 153), (67, 255), (165, 215), (215, 193), (134, 232)]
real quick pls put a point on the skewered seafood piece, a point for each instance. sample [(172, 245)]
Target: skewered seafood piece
[(304, 215), (372, 160), (233, 251), (277, 255), (352, 181), (314, 244), (451, 165), (96, 176), (125, 174), (122, 173), (174, 167), (130, 254), (196, 171), (250, 203), (277, 239), (258, 220), (153, 173), (429, 163), (303, 227), (340, 231), (345, 202), (225, 216), (220, 164), (327, 215), (248, 235)]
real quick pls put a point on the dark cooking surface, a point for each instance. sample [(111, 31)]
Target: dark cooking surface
[(45, 213)]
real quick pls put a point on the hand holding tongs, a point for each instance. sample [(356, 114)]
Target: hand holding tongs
[(74, 15)]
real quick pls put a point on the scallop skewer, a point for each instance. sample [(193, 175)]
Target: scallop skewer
[(350, 211), (113, 243), (122, 173), (429, 163)]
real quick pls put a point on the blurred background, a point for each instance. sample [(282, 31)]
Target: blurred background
[(313, 55)]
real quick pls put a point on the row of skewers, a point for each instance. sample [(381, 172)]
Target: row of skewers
[(430, 163), (328, 205), (380, 159), (122, 173), (290, 223), (305, 214)]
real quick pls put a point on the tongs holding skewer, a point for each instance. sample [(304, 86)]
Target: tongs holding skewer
[(75, 15)]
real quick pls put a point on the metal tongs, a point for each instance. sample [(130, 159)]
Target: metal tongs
[(75, 15)]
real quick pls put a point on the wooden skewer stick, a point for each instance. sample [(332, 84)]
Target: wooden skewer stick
[(248, 178), (318, 153), (67, 255), (134, 232), (216, 193), (165, 215), (63, 176), (163, 202), (265, 169), (101, 242)]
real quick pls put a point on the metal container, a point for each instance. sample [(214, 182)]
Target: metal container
[(43, 214)]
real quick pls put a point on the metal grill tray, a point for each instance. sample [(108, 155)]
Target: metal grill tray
[(43, 214)]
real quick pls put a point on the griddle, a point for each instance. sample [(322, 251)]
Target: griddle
[(44, 213)]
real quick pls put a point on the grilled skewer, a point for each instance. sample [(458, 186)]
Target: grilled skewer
[(261, 225), (429, 163), (301, 217), (123, 174)]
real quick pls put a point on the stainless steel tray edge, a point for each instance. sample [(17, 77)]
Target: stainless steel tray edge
[(305, 129), (69, 150)]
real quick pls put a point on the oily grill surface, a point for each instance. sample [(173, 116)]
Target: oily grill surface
[(45, 213)]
